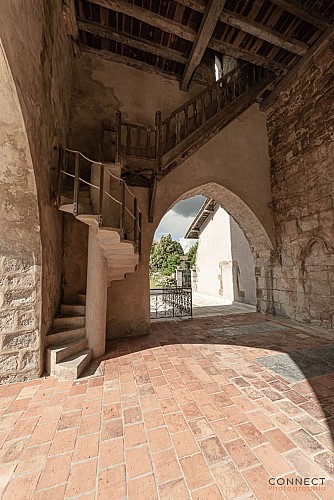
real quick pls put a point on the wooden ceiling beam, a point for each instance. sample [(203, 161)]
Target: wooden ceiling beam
[(130, 41), (304, 13), (170, 26), (326, 38), (208, 24), (252, 28), (128, 61)]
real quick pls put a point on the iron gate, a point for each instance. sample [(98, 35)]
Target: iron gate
[(170, 302)]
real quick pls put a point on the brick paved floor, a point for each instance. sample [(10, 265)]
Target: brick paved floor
[(191, 411)]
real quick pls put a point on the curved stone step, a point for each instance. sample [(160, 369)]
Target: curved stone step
[(69, 309), (58, 353), (83, 209), (81, 298), (72, 367), (68, 322), (62, 335)]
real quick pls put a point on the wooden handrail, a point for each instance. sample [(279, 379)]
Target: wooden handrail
[(217, 83), (77, 176)]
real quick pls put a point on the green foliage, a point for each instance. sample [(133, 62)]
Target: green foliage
[(157, 280), (165, 255), (192, 252)]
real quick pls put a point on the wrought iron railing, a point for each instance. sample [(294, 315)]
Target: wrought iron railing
[(170, 303), (94, 189)]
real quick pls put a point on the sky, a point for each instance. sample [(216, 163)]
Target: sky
[(178, 220)]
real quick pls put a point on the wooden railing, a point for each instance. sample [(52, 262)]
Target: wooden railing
[(108, 195), (133, 139), (190, 116), (147, 145)]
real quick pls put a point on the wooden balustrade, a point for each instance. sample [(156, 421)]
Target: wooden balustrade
[(136, 141)]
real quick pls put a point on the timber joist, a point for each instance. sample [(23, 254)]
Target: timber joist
[(174, 36)]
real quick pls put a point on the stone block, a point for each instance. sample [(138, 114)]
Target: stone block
[(26, 319), (7, 320), (8, 363), (19, 340), (15, 264), (19, 297), (29, 360)]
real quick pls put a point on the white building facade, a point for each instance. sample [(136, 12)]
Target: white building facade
[(224, 263)]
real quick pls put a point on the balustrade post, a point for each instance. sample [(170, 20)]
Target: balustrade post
[(118, 130), (122, 209), (177, 128), (76, 184), (101, 200), (135, 229), (128, 139), (158, 140), (60, 175)]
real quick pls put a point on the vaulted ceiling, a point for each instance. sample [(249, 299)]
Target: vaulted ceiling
[(172, 36)]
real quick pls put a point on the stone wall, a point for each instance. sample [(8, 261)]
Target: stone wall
[(38, 55), (101, 87), (301, 142)]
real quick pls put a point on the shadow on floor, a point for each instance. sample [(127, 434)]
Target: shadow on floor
[(293, 355)]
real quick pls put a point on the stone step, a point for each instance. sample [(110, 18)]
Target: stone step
[(83, 193), (72, 367), (82, 209), (58, 353), (70, 309), (84, 201), (116, 277), (68, 321), (62, 335), (81, 298)]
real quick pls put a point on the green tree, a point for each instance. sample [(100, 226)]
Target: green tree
[(165, 255), (192, 252)]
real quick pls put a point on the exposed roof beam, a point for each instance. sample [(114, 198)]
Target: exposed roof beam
[(131, 41), (208, 24), (291, 6), (252, 28), (264, 33), (170, 26), (245, 55), (304, 13), (111, 56), (326, 37)]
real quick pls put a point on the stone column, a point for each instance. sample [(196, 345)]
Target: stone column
[(96, 296)]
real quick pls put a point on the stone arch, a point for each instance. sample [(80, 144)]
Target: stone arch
[(20, 242), (259, 240)]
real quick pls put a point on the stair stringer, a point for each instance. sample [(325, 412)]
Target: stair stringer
[(190, 144)]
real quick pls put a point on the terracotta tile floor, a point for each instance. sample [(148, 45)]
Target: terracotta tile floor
[(187, 412)]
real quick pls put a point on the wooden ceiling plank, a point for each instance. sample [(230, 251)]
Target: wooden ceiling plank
[(253, 28), (112, 56), (206, 29), (326, 38), (131, 41), (297, 9), (264, 33)]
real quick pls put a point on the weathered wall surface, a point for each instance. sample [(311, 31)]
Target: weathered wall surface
[(39, 58), (75, 252), (301, 142), (102, 87), (214, 257), (243, 266), (233, 169)]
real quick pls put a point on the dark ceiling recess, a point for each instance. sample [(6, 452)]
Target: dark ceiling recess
[(172, 36)]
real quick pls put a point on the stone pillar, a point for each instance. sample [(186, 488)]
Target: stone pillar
[(96, 296), (178, 274), (193, 279)]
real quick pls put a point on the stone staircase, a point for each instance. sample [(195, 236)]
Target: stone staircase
[(67, 353), (67, 346)]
